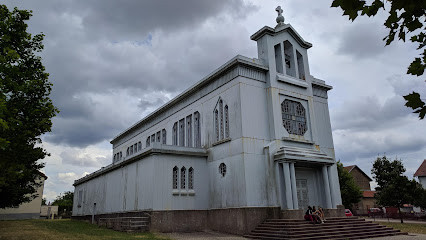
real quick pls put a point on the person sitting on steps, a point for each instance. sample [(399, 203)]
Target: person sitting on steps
[(317, 215), (309, 216)]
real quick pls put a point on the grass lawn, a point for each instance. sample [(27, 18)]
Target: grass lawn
[(63, 229), (407, 227)]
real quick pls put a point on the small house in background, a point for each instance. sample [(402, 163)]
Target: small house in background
[(29, 210), (48, 211), (421, 174), (363, 181)]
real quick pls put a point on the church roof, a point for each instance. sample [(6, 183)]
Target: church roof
[(281, 28), (237, 60), (352, 167), (421, 172), (368, 193)]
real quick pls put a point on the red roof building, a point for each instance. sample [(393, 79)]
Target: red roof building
[(421, 172)]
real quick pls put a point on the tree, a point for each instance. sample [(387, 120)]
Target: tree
[(406, 17), (25, 108), (394, 189), (64, 202), (351, 193), (43, 201)]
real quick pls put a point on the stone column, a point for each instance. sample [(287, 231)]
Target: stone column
[(293, 186), (330, 180), (326, 187), (287, 185)]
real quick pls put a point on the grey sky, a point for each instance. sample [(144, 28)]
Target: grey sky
[(113, 62)]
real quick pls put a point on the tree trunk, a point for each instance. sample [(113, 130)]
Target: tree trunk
[(400, 214)]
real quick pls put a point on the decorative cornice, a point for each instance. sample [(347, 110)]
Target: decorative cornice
[(281, 28)]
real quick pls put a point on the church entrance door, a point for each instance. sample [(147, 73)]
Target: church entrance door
[(302, 193)]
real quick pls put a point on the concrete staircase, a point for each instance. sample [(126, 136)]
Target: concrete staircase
[(127, 224), (333, 228)]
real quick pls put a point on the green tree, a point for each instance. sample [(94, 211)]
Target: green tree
[(351, 193), (25, 108), (406, 18), (394, 189), (64, 202)]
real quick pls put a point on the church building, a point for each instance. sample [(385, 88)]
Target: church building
[(250, 141)]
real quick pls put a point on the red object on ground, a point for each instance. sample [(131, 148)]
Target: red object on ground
[(348, 213)]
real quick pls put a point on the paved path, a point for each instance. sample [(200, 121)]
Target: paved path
[(394, 220), (211, 235)]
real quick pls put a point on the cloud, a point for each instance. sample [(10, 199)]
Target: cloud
[(69, 177), (362, 41), (77, 158)]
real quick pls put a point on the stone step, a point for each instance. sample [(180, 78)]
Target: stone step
[(306, 224), (349, 235), (334, 228), (322, 229)]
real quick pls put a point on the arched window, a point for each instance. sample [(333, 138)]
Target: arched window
[(222, 169), (175, 177), (139, 146), (221, 118), (175, 135), (128, 151), (148, 141), (121, 155), (131, 150), (163, 132), (158, 136), (153, 138), (191, 178), (182, 132), (135, 147), (197, 132), (216, 123), (183, 178), (189, 131), (226, 122)]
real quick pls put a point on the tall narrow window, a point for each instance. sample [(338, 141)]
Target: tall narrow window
[(189, 131), (191, 178), (128, 152), (175, 177), (135, 147), (183, 178), (216, 123), (148, 141), (278, 58), (158, 136), (300, 65), (289, 59), (197, 132), (131, 150), (182, 132), (226, 122), (115, 155), (139, 146), (175, 135), (153, 138), (121, 155), (221, 118), (163, 132)]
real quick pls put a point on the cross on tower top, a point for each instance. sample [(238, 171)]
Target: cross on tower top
[(280, 18)]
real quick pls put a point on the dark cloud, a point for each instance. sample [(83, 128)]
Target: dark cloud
[(362, 41), (126, 47)]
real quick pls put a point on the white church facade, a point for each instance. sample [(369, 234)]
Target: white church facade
[(250, 141)]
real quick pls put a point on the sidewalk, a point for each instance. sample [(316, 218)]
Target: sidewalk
[(394, 220)]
